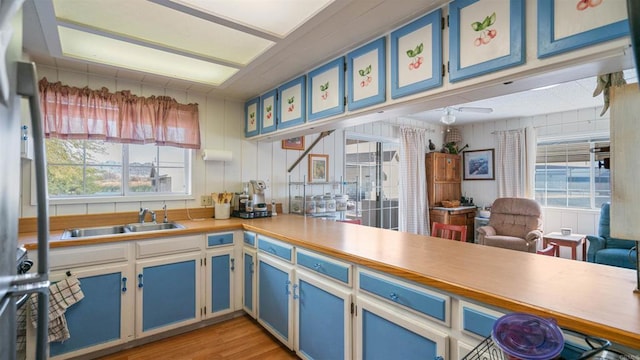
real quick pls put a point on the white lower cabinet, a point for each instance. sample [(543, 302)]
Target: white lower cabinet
[(108, 301), (222, 268), (249, 283), (387, 332), (322, 318), (275, 305), (307, 306), (168, 293)]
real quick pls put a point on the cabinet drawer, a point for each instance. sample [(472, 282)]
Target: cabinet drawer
[(168, 246), (426, 302), (274, 247), (63, 258), (325, 266), (250, 238), (476, 319), (219, 239)]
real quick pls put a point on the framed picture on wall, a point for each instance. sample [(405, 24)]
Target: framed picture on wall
[(485, 36), (366, 76), (268, 112), (416, 56), (292, 103), (326, 90), (296, 143), (569, 25), (318, 168), (478, 165)]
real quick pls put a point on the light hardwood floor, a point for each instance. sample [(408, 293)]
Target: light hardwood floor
[(235, 339)]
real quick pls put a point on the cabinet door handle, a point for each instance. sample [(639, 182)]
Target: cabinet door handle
[(233, 264), (295, 287), (393, 296), (252, 267), (140, 284), (317, 266), (286, 288), (124, 284), (272, 250)]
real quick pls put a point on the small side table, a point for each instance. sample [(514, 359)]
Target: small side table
[(571, 241)]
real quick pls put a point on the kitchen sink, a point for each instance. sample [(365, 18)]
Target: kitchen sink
[(94, 231), (117, 229), (138, 227)]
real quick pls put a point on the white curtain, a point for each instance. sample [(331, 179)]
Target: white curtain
[(413, 212), (516, 162)]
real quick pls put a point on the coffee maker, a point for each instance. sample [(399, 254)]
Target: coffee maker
[(258, 188), (251, 204)]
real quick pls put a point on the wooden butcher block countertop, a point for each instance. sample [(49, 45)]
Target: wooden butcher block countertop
[(594, 299)]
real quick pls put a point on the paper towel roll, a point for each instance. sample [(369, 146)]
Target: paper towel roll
[(216, 155)]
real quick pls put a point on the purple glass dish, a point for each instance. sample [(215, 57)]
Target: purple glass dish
[(527, 337)]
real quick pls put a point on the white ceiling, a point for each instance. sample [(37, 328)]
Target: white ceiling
[(192, 29), (565, 96)]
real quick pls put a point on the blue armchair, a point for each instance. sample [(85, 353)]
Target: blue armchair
[(604, 249)]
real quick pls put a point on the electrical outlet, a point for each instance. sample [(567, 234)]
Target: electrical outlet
[(205, 200)]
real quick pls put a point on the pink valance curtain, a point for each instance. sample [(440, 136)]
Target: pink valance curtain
[(81, 113)]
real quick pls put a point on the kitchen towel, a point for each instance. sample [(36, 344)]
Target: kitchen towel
[(62, 294)]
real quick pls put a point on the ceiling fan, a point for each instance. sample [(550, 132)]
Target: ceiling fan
[(448, 118)]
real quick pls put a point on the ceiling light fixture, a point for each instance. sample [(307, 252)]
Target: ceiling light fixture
[(447, 118)]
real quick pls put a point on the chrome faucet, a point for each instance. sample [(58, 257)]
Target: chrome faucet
[(143, 213)]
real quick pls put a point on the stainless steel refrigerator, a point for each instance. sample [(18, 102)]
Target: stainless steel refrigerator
[(18, 79)]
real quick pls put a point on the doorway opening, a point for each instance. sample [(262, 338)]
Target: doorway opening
[(374, 162)]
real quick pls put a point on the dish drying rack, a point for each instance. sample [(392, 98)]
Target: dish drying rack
[(489, 350)]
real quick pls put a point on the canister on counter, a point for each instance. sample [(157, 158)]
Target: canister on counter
[(310, 205), (321, 205), (330, 203), (341, 202), (296, 205)]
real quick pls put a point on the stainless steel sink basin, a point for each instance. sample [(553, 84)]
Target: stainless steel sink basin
[(117, 229), (94, 231), (138, 227)]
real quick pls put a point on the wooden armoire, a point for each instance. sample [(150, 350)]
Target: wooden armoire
[(444, 182)]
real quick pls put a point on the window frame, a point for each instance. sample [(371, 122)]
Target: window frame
[(591, 138), (126, 196)]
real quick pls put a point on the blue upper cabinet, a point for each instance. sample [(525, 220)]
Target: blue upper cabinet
[(366, 76), (416, 56), (268, 111), (568, 25), (485, 36), (252, 117), (326, 90), (292, 103)]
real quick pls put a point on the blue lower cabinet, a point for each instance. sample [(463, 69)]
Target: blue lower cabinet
[(169, 293), (323, 315), (249, 282), (221, 265), (105, 292), (385, 333), (275, 310)]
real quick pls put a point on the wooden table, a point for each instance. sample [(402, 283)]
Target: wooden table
[(571, 241)]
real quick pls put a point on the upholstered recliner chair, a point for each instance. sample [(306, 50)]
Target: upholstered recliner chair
[(515, 223), (603, 249)]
